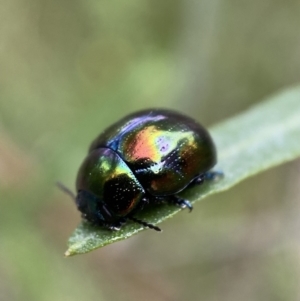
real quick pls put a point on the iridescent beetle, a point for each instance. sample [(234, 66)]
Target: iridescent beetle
[(146, 157)]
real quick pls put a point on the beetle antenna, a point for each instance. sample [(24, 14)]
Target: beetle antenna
[(145, 224), (66, 190)]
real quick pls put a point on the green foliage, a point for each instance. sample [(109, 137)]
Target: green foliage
[(263, 137)]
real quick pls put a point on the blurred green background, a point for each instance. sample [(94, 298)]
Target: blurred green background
[(70, 68)]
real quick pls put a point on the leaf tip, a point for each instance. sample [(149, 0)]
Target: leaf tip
[(69, 253)]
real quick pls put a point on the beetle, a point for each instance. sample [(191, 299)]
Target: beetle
[(146, 157)]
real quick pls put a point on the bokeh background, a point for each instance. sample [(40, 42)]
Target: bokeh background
[(70, 68)]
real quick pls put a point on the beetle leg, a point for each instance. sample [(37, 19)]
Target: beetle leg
[(182, 203), (145, 200), (199, 180), (213, 175), (116, 225)]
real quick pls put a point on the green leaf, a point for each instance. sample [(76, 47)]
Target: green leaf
[(264, 136)]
